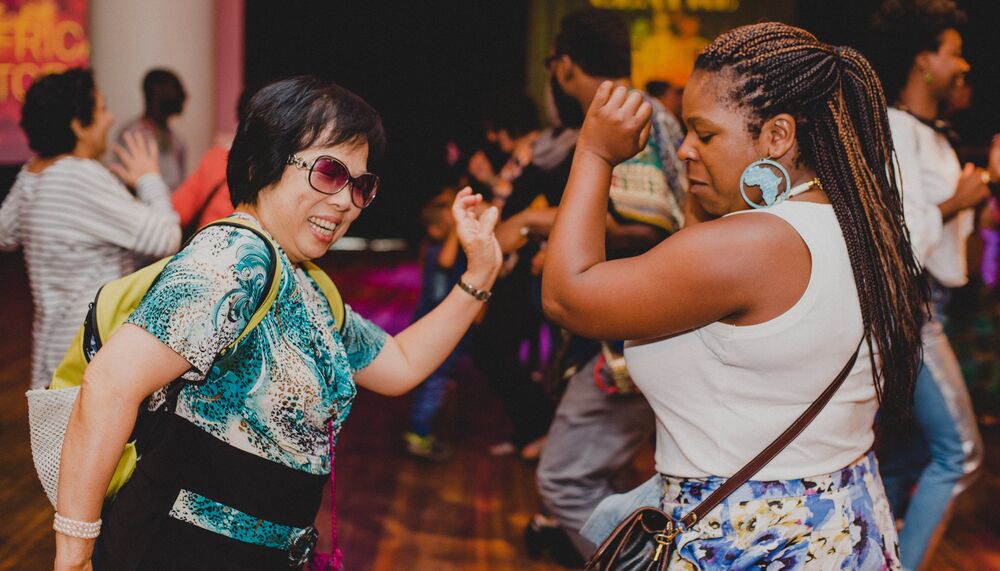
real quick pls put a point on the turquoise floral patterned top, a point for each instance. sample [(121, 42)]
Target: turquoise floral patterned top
[(274, 393)]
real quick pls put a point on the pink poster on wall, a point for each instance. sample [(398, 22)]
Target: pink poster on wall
[(36, 37)]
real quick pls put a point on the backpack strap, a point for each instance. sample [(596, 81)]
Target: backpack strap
[(274, 275), (330, 290)]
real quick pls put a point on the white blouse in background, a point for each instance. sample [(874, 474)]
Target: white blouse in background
[(928, 173)]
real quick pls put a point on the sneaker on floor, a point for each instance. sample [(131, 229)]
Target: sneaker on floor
[(426, 447)]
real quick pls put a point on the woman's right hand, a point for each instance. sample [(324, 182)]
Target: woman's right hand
[(617, 124), (138, 157)]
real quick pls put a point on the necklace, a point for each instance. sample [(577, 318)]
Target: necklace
[(806, 186)]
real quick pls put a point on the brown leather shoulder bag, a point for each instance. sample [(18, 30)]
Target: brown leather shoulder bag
[(643, 541)]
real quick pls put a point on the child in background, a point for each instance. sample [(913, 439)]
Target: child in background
[(441, 264)]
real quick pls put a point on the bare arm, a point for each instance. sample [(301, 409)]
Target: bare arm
[(688, 280), (409, 357), (130, 366)]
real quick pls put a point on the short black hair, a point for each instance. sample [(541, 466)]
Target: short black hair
[(657, 88), (51, 104), (289, 116), (597, 41), (902, 29), (159, 76)]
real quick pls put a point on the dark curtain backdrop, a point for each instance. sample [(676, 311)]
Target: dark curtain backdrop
[(429, 68)]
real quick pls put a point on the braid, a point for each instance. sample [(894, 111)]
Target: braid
[(843, 134)]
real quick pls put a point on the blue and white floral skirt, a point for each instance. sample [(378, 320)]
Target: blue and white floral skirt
[(835, 521)]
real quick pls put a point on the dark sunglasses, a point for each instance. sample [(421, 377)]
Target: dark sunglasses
[(330, 176)]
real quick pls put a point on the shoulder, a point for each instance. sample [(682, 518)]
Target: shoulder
[(25, 181), (745, 242), (228, 243), (907, 129), (73, 172), (215, 158), (216, 153)]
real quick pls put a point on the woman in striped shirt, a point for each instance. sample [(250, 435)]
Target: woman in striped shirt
[(79, 225)]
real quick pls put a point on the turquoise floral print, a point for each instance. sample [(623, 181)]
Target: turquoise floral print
[(275, 392)]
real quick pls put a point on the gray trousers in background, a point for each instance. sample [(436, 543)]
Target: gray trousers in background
[(594, 435)]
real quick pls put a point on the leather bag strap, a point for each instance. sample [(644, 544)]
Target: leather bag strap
[(772, 450)]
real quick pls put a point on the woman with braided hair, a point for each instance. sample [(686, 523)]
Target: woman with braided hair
[(741, 321), (917, 52)]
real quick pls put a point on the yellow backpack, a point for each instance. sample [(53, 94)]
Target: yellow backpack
[(114, 302)]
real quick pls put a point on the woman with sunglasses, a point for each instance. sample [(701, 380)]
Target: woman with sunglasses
[(233, 476)]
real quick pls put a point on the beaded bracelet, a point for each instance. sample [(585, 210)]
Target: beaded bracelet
[(77, 529)]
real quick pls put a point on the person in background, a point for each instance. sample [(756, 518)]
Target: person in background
[(79, 226), (669, 95), (442, 265), (916, 49), (511, 125), (511, 318), (204, 196), (601, 409), (164, 98)]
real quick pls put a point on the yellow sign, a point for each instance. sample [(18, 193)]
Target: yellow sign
[(670, 5)]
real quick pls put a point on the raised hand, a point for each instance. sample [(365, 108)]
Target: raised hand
[(617, 124), (475, 234), (138, 157)]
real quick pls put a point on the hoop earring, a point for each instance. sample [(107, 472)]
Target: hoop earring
[(758, 174)]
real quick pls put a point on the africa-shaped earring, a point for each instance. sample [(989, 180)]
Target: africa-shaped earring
[(760, 175), (928, 78)]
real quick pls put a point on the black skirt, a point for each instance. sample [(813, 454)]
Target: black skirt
[(139, 533)]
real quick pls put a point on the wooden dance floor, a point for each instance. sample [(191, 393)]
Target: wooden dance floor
[(395, 512)]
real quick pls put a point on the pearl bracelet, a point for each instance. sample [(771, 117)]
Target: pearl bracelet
[(77, 529)]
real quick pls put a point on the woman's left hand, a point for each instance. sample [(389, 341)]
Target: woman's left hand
[(617, 124), (475, 234)]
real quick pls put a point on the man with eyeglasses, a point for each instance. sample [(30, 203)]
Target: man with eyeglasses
[(601, 412)]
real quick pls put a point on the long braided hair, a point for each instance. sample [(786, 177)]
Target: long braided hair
[(843, 135)]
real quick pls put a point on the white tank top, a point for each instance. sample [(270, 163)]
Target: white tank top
[(722, 393)]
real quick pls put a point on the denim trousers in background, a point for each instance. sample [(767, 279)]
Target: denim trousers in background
[(943, 457), (428, 397)]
